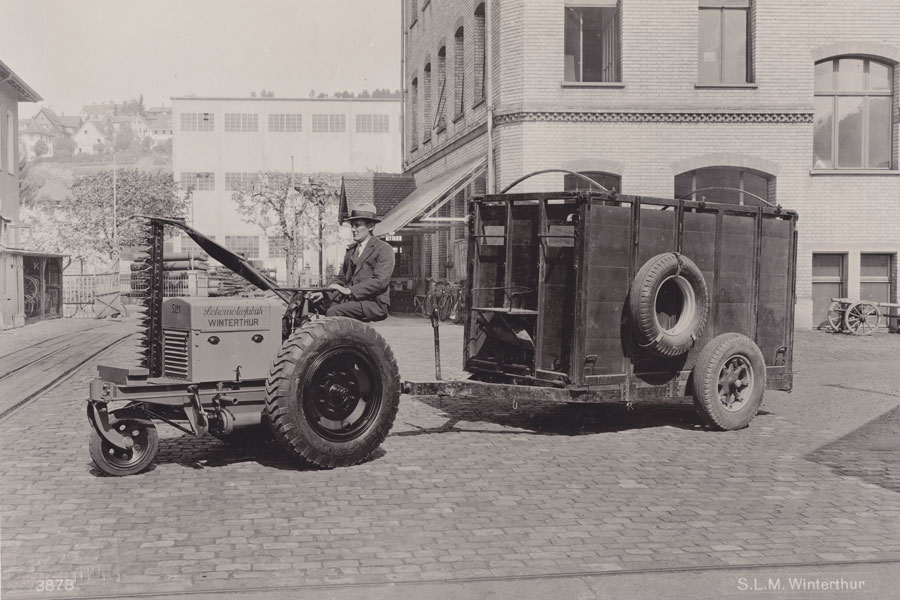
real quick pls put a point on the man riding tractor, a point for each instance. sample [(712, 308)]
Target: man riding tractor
[(361, 290)]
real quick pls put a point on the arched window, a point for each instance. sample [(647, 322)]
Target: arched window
[(745, 185), (426, 103), (440, 124), (852, 114), (459, 72), (414, 113), (608, 180), (479, 53)]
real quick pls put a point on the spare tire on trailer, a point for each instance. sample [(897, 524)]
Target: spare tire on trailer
[(333, 392), (669, 285)]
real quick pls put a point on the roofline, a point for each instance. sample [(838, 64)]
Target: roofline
[(173, 98), (26, 93)]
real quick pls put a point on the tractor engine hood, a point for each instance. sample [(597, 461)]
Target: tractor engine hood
[(229, 259)]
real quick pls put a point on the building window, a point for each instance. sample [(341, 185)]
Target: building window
[(876, 277), (607, 180), (329, 123), (440, 124), (852, 114), (372, 123), (479, 41), (245, 245), (277, 246), (743, 186), (198, 121), (403, 255), (459, 72), (241, 122), (723, 48), (426, 102), (201, 182), (10, 142), (234, 181), (829, 280), (286, 123), (591, 48), (189, 245), (414, 109)]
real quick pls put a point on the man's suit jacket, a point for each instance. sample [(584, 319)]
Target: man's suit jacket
[(369, 276)]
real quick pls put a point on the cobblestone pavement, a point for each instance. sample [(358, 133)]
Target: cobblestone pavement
[(460, 490)]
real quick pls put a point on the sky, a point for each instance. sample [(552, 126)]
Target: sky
[(77, 52)]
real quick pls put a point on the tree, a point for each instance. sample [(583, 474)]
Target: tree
[(63, 146), (163, 147), (312, 93), (146, 143), (41, 148), (271, 202), (142, 110), (124, 137), (89, 214)]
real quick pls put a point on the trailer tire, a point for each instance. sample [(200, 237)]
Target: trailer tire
[(669, 283), (729, 381), (333, 392)]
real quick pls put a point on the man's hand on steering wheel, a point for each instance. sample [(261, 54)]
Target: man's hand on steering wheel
[(342, 290)]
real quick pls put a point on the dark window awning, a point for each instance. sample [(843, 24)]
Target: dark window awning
[(416, 211)]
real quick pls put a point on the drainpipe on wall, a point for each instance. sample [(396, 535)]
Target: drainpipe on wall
[(403, 98), (489, 92)]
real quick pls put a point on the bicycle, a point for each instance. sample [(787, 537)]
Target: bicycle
[(460, 310), (441, 298)]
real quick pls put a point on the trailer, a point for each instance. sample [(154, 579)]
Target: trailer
[(593, 296)]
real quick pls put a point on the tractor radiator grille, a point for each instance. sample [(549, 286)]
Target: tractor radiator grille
[(175, 353)]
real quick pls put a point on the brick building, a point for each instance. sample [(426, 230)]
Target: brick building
[(791, 101)]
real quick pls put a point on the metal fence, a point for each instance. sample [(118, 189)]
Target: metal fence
[(89, 296), (105, 294)]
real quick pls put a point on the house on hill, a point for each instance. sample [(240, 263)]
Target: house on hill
[(161, 127), (61, 123), (139, 126), (97, 112), (155, 112), (91, 137), (30, 133)]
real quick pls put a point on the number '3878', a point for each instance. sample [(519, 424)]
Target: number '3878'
[(54, 585)]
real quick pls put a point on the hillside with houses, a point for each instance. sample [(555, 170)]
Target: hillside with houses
[(97, 132)]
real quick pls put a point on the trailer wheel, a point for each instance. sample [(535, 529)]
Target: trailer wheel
[(669, 303), (117, 462), (333, 392), (729, 380)]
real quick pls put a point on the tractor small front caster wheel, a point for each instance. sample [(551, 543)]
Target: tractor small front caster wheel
[(119, 462)]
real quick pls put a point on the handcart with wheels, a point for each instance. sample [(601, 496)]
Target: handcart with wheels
[(860, 317)]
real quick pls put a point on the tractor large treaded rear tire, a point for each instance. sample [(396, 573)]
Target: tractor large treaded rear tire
[(333, 392), (669, 282)]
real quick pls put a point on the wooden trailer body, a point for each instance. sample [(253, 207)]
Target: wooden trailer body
[(551, 275)]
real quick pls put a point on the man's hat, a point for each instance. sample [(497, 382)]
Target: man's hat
[(365, 210)]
